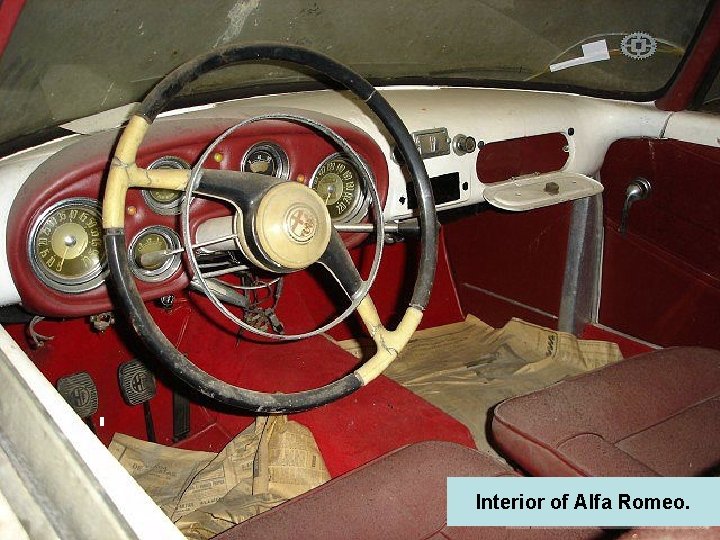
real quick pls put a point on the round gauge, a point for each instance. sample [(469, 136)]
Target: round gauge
[(266, 158), (66, 246), (165, 201), (152, 253), (339, 184)]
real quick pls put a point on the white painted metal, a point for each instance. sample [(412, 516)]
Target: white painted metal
[(82, 490), (539, 190), (694, 127)]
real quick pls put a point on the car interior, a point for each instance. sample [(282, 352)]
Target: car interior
[(468, 240)]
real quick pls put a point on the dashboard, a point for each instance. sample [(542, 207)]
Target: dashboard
[(473, 141), (57, 257)]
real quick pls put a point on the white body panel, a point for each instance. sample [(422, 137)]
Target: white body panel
[(80, 478)]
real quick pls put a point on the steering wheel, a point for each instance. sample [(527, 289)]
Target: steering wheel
[(300, 241), (264, 230)]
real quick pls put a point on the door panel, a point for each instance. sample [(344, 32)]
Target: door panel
[(661, 280)]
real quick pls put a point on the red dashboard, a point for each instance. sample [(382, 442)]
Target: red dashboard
[(78, 171)]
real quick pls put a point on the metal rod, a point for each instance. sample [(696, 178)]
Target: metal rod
[(357, 227), (408, 226), (159, 257), (213, 241), (216, 273)]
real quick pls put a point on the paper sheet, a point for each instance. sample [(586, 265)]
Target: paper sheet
[(205, 493), (467, 368)]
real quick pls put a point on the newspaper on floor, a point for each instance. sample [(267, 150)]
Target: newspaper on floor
[(204, 493), (467, 368)]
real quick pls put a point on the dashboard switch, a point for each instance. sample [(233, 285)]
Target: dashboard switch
[(464, 144)]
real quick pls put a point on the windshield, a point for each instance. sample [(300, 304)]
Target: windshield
[(73, 58)]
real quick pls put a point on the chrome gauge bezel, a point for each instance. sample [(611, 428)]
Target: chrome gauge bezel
[(171, 208), (278, 154), (359, 207), (82, 284), (169, 267)]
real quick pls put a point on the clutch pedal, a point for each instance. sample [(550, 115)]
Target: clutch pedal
[(80, 392)]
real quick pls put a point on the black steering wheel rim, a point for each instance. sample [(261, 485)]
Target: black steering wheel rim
[(122, 282)]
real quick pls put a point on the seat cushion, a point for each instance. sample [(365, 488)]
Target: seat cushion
[(655, 414), (400, 495)]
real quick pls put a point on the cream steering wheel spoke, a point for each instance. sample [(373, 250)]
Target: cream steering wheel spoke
[(389, 343), (173, 179)]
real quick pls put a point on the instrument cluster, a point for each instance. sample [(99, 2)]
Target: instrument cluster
[(65, 246)]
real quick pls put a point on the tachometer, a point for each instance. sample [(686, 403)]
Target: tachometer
[(266, 158), (66, 246), (339, 184)]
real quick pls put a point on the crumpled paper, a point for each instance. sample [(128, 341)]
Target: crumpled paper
[(204, 493), (467, 368)]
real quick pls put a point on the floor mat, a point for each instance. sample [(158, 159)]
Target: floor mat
[(467, 368)]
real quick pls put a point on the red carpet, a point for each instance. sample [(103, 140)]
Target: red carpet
[(350, 432)]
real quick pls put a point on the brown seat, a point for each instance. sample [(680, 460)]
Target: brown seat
[(400, 495), (654, 414)]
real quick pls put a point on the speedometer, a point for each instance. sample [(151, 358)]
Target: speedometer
[(339, 185), (66, 246)]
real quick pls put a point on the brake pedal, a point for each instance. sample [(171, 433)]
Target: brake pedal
[(137, 385), (81, 394)]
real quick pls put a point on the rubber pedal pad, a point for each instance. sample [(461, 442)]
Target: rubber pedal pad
[(80, 392), (137, 383)]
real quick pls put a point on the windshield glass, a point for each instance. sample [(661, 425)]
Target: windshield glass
[(71, 59)]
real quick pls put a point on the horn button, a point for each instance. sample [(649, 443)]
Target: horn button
[(292, 225)]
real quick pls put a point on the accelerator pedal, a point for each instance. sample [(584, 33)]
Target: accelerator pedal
[(181, 417)]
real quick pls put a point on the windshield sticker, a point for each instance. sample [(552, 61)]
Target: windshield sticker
[(638, 45), (102, 121), (597, 51)]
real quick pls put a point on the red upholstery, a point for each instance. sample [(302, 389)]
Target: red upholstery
[(398, 496), (656, 414), (673, 533)]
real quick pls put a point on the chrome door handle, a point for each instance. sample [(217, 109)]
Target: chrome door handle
[(637, 190)]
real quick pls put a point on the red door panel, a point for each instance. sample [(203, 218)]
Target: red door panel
[(661, 280)]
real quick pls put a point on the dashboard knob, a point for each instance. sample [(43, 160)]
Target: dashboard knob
[(464, 144)]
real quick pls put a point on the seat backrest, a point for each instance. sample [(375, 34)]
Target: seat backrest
[(655, 414)]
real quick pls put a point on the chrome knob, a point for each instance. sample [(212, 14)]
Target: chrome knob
[(464, 144), (637, 190)]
